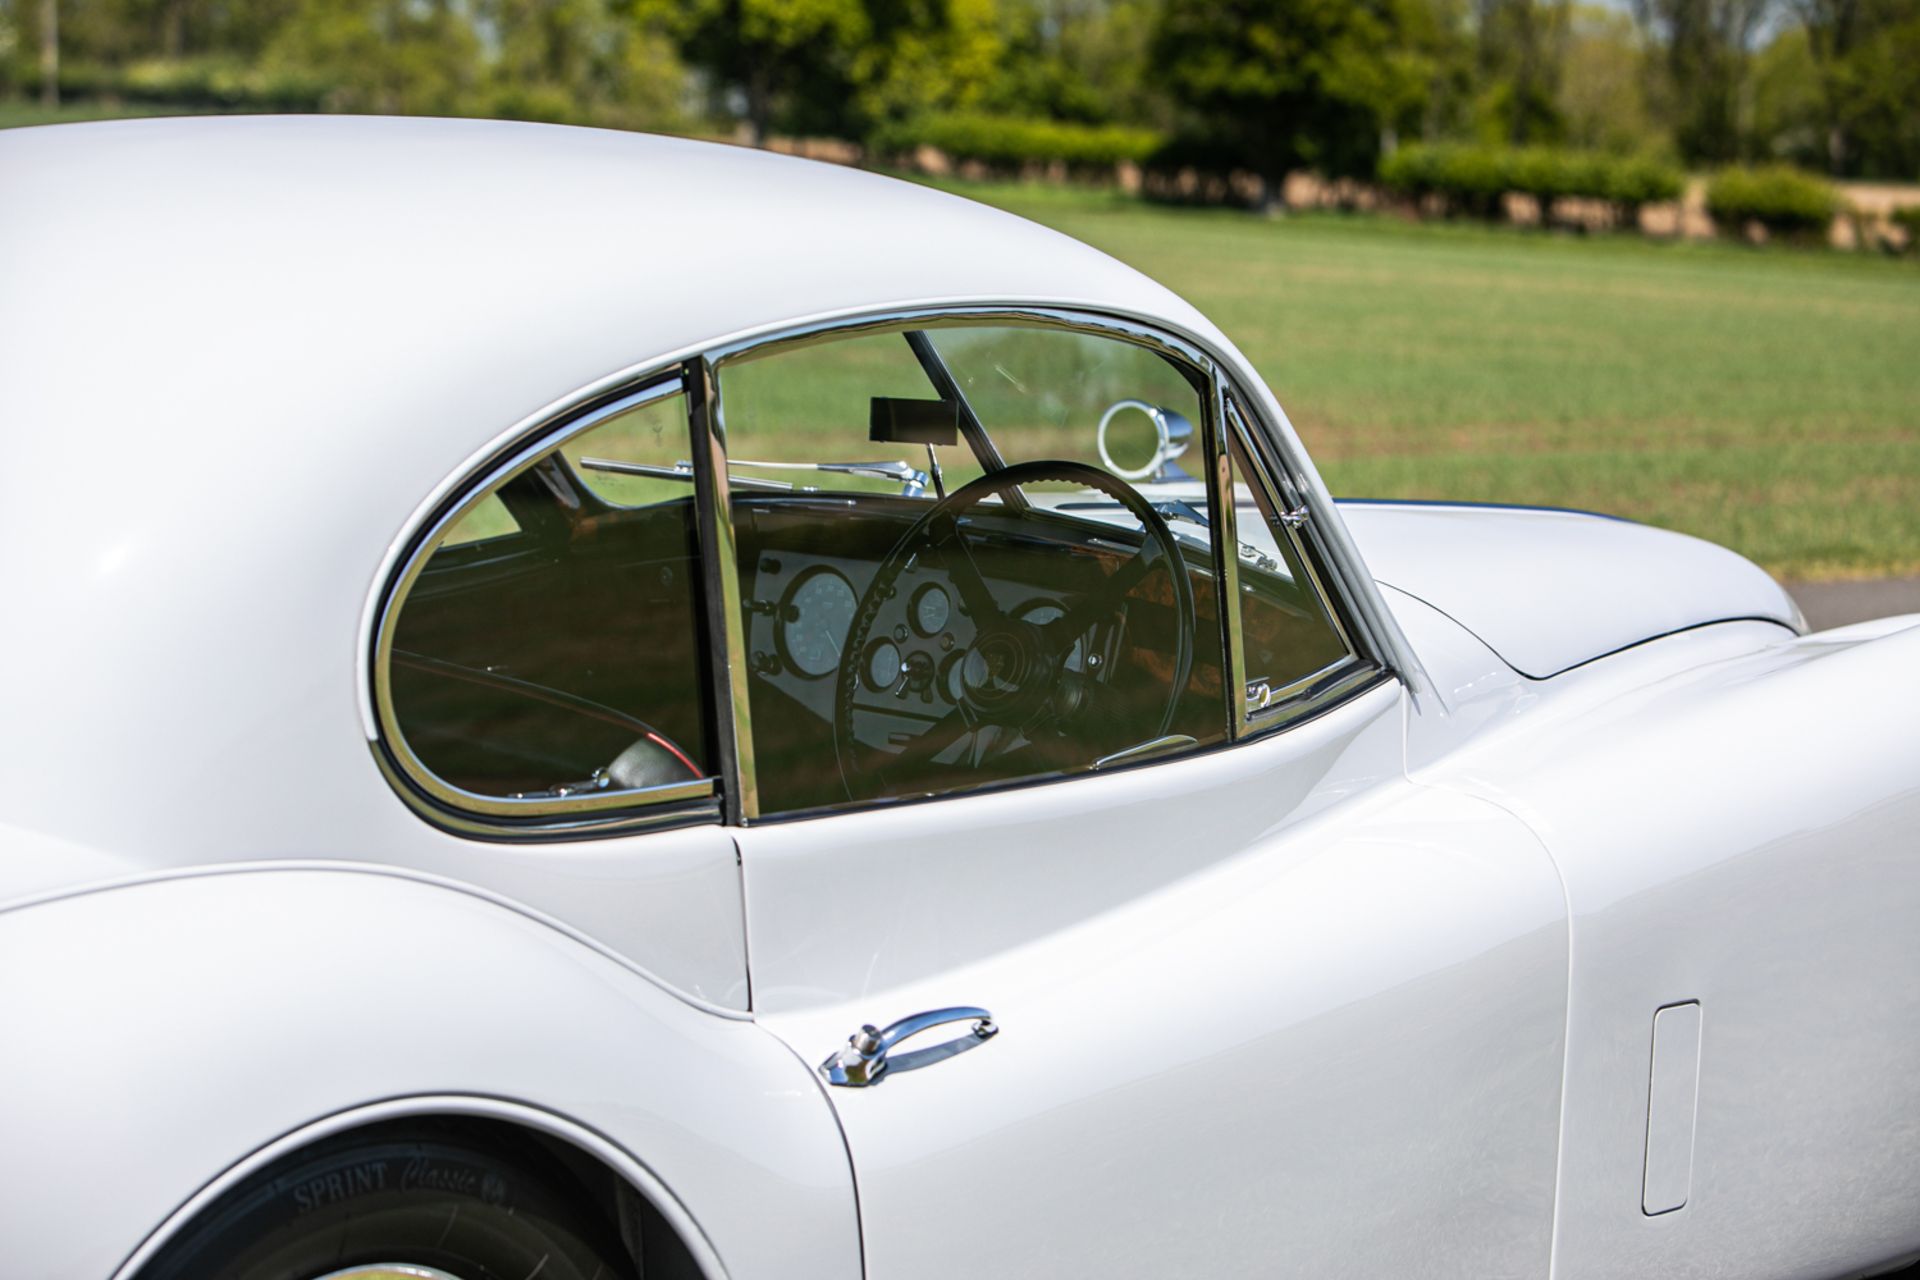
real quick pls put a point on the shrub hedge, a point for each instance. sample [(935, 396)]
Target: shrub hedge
[(1472, 179), (1012, 142), (1784, 200), (1907, 218), (188, 83), (217, 84)]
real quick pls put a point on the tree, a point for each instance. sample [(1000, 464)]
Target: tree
[(582, 62), (1866, 54), (1602, 99), (1279, 84), (1080, 60), (50, 52), (1705, 47), (783, 56), (1522, 49), (391, 56), (925, 55), (1788, 113)]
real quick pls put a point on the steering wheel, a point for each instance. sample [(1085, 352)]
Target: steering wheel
[(1011, 676)]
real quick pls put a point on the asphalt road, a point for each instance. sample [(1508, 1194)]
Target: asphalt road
[(1835, 604)]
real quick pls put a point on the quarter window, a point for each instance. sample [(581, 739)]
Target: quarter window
[(549, 651), (488, 519), (1289, 638)]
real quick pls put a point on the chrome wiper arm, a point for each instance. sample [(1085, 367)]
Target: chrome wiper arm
[(912, 480), (885, 469), (1179, 509), (678, 471)]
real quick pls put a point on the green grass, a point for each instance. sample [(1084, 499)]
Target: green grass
[(1765, 399)]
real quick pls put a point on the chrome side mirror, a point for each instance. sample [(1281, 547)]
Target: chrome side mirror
[(1174, 434)]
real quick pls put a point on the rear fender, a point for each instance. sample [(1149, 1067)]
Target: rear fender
[(162, 1038)]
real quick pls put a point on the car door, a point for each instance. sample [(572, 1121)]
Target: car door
[(1242, 1000)]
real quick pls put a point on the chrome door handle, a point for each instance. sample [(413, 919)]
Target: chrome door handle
[(864, 1060)]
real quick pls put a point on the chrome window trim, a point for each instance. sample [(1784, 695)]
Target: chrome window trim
[(733, 793), (471, 813), (719, 554), (742, 796), (1355, 669), (963, 316), (1224, 530), (1333, 559)]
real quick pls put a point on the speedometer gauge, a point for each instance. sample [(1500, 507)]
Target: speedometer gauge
[(814, 619), (931, 609)]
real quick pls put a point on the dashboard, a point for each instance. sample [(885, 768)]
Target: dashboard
[(802, 580)]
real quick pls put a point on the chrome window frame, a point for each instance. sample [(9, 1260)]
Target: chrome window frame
[(472, 813), (1353, 671), (741, 797), (732, 792)]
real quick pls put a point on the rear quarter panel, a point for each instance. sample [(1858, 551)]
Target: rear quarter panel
[(1744, 832)]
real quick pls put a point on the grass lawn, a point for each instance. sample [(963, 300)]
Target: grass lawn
[(1768, 400)]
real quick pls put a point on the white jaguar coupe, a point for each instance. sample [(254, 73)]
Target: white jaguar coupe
[(583, 707)]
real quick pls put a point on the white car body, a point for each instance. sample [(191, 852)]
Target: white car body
[(1374, 995)]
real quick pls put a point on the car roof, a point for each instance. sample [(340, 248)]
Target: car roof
[(237, 354), (315, 296), (425, 250)]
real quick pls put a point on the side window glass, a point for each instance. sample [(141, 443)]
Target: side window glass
[(489, 519), (1289, 638), (551, 647), (946, 584), (638, 458)]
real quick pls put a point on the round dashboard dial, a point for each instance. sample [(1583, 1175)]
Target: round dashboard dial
[(951, 682), (883, 665), (932, 608), (815, 616)]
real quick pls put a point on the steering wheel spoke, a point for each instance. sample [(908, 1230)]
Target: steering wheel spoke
[(935, 741), (1099, 604), (963, 570)]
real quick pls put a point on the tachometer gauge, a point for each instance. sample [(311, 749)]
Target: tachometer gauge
[(931, 609), (815, 615), (882, 665)]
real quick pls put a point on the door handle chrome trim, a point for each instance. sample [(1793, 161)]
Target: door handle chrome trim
[(864, 1060)]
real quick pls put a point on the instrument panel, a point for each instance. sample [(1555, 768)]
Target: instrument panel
[(800, 609)]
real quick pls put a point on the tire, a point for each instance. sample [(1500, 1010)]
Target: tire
[(447, 1202)]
